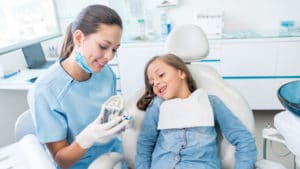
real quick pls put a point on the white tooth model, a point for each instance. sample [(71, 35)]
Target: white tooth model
[(112, 107)]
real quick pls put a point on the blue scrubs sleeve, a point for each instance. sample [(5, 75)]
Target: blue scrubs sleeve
[(50, 124), (236, 133)]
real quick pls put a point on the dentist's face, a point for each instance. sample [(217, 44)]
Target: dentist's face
[(167, 82), (100, 47)]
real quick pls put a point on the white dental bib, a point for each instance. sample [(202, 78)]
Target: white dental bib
[(194, 111)]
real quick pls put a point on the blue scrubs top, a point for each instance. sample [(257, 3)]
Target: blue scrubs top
[(62, 107)]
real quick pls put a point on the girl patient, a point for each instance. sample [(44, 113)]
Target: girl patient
[(179, 129)]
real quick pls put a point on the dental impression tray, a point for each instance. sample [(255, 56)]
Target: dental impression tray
[(112, 107)]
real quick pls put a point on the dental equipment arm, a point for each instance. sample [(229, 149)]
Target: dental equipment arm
[(288, 125)]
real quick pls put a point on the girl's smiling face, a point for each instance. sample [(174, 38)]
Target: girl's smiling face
[(166, 81)]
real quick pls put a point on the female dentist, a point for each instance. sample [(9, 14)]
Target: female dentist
[(66, 100)]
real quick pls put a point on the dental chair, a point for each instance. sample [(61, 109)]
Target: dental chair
[(24, 125), (286, 123), (190, 43), (26, 152)]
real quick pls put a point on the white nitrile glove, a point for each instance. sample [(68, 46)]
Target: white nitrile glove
[(100, 132)]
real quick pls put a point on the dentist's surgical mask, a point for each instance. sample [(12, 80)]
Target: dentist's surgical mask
[(80, 60)]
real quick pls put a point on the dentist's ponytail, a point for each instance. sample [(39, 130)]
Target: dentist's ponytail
[(68, 44)]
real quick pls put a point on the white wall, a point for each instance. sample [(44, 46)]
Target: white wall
[(261, 15), (68, 10), (240, 14)]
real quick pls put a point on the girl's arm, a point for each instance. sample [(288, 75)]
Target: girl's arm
[(236, 133), (148, 136)]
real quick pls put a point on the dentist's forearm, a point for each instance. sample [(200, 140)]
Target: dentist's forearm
[(66, 155)]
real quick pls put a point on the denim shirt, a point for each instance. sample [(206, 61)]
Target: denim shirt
[(191, 148)]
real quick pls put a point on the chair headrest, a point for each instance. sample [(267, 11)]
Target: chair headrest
[(188, 42)]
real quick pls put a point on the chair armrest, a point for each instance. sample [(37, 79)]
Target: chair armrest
[(110, 160), (267, 164), (272, 134)]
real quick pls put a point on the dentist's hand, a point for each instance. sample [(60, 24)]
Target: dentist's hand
[(100, 132)]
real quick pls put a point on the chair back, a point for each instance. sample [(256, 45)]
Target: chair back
[(24, 125)]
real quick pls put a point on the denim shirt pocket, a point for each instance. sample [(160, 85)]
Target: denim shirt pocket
[(201, 136), (168, 139)]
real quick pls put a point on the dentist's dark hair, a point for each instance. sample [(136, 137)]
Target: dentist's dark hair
[(171, 60), (89, 21)]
